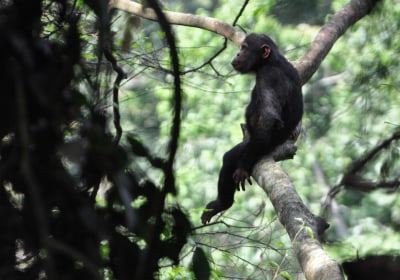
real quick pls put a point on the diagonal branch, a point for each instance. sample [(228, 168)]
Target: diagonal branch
[(351, 178), (330, 33), (355, 181), (357, 165), (303, 228)]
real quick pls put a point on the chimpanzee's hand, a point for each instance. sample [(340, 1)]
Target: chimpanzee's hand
[(207, 215), (239, 177), (212, 208)]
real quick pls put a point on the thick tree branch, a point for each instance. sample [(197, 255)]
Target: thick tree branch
[(328, 35), (207, 23), (303, 227)]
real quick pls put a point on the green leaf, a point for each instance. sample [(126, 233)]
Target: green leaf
[(285, 275), (310, 232), (274, 265)]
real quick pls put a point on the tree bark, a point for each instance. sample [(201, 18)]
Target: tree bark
[(328, 35), (302, 226), (207, 23)]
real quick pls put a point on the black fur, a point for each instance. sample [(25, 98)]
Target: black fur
[(275, 109)]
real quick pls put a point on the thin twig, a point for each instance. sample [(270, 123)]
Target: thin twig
[(120, 76), (240, 12), (209, 61)]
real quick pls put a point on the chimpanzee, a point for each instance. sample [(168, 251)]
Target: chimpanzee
[(275, 109)]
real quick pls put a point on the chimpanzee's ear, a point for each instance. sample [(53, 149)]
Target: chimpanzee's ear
[(265, 51)]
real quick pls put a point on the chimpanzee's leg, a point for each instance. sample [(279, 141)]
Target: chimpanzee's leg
[(226, 184)]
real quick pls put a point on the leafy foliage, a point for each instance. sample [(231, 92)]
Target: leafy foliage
[(56, 152)]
